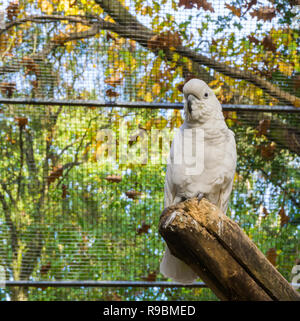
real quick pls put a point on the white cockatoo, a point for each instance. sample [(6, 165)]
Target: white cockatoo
[(214, 180)]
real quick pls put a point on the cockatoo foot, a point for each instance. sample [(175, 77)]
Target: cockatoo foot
[(200, 196)]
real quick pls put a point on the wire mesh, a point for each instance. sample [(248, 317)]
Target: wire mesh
[(143, 50), (68, 211), (86, 217), (117, 294)]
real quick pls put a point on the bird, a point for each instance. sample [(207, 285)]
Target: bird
[(214, 179)]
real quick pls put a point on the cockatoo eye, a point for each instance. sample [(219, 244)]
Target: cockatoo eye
[(205, 95)]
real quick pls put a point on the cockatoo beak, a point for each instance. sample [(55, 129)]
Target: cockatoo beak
[(189, 106)]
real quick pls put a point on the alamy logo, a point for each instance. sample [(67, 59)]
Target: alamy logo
[(141, 147)]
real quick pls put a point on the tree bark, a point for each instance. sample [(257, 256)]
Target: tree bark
[(217, 249), (19, 293)]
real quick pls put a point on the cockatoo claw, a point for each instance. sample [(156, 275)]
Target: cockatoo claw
[(200, 196)]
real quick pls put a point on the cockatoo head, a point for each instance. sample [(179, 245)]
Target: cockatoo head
[(201, 103)]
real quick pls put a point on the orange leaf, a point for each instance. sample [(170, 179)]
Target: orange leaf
[(7, 88), (234, 10), (205, 5), (45, 268), (164, 40), (272, 255), (64, 191), (190, 4), (268, 151), (284, 219), (12, 10), (111, 93), (151, 277), (143, 229), (30, 65), (265, 212), (60, 39), (22, 121), (114, 178), (263, 127), (268, 44), (55, 174), (133, 194), (113, 80), (35, 84)]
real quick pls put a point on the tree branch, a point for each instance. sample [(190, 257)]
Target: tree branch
[(17, 64), (21, 161), (236, 73), (286, 192), (30, 257), (138, 32), (66, 148), (76, 162), (46, 19), (11, 225), (128, 26), (30, 154), (284, 135), (12, 200)]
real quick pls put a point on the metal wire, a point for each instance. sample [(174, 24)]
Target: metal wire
[(104, 284), (96, 103)]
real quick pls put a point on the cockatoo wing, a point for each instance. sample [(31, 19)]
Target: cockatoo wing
[(170, 266), (229, 166), (169, 190)]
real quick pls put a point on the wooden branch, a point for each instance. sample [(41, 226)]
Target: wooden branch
[(217, 249)]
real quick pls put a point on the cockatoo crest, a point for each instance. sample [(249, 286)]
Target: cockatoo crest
[(201, 103)]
